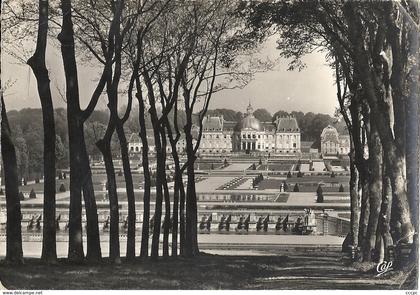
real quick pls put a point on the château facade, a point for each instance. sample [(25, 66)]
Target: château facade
[(250, 135), (333, 143)]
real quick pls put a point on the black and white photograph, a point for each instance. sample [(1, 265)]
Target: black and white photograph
[(209, 145)]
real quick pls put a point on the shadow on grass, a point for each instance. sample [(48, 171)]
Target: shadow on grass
[(206, 271)]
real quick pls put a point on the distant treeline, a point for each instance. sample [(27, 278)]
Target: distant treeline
[(27, 133), (28, 136)]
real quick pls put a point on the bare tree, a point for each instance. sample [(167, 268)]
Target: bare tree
[(14, 254), (37, 63), (80, 173)]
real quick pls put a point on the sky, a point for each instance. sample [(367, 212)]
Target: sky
[(311, 89)]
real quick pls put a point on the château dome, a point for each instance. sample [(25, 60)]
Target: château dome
[(249, 122)]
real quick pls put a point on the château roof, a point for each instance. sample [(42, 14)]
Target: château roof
[(329, 133), (134, 138), (211, 123), (250, 123), (230, 125), (287, 124), (269, 126)]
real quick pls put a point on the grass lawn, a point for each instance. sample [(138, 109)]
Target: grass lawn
[(275, 167), (39, 187), (208, 166), (291, 271), (323, 178), (305, 184), (97, 179)]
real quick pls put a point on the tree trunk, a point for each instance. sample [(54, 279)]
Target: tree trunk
[(412, 127), (396, 170), (93, 251), (385, 214), (191, 243), (37, 64), (131, 230), (175, 214), (160, 165), (354, 200), (364, 212), (375, 192), (104, 146), (378, 97), (360, 174), (182, 230), (167, 218), (159, 196), (75, 253), (144, 251), (74, 122), (160, 175), (14, 254), (365, 178), (78, 156)]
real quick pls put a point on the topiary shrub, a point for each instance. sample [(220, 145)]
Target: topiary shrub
[(1, 192), (332, 174), (319, 195), (37, 180), (260, 162), (25, 182), (254, 167), (32, 194), (64, 175), (60, 175), (62, 188), (226, 163), (285, 186), (120, 173), (341, 189), (296, 188), (21, 196), (289, 174), (212, 166)]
